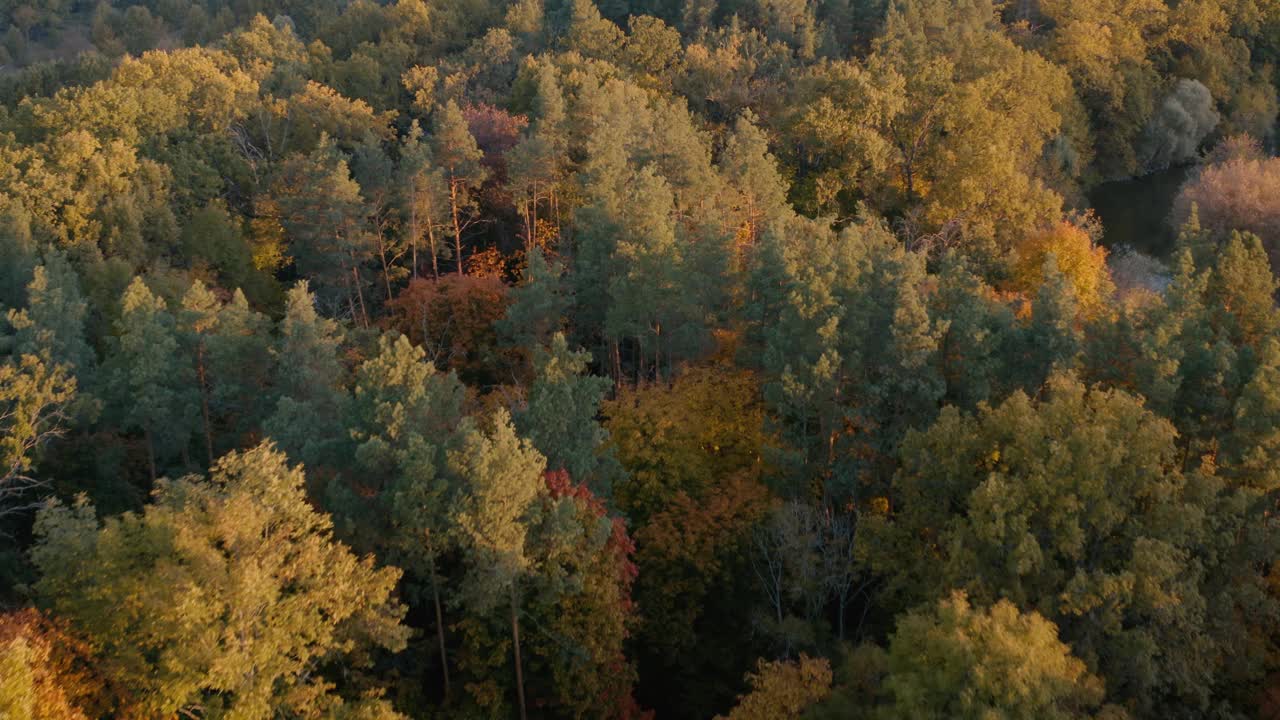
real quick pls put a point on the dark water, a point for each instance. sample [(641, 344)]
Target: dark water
[(1136, 212)]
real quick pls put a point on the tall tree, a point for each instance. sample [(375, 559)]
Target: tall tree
[(52, 325), (147, 380), (456, 152), (308, 383), (325, 215), (269, 596), (500, 477), (34, 400), (561, 416), (424, 200), (1074, 506)]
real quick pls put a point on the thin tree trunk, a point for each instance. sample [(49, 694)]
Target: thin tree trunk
[(204, 401), (444, 654), (364, 312), (386, 273), (533, 220), (435, 263), (457, 227), (515, 639)]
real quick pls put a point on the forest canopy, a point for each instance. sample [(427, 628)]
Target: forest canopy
[(747, 359)]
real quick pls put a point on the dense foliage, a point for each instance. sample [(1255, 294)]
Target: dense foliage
[(632, 358)]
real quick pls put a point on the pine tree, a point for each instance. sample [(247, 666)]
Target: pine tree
[(308, 382), (456, 153), (53, 323), (539, 304), (751, 171), (239, 368), (500, 477), (1053, 337), (149, 383), (197, 320), (324, 213), (561, 417), (268, 599), (424, 200), (403, 418)]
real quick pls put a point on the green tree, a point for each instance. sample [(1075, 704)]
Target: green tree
[(324, 214), (53, 323), (500, 477), (269, 598), (1073, 506), (561, 416), (239, 368), (539, 305), (953, 660), (424, 200), (308, 383), (455, 151), (149, 385)]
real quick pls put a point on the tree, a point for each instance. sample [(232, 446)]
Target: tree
[(456, 152), (324, 214), (561, 416), (783, 690), (760, 191), (424, 200), (581, 594), (34, 400), (1237, 194), (539, 305), (1076, 256), (196, 321), (239, 368), (500, 477), (44, 670), (52, 325), (957, 661), (705, 427), (536, 164), (149, 385), (455, 319), (1074, 507), (308, 383), (268, 596), (1182, 121), (403, 418)]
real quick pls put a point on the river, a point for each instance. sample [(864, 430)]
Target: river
[(1136, 212)]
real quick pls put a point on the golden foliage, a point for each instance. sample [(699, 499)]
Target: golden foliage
[(1082, 262)]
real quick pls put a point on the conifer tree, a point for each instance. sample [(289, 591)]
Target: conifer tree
[(455, 151), (197, 320), (424, 201), (324, 214), (500, 477), (539, 304), (308, 382), (239, 367), (52, 325), (561, 417), (147, 380)]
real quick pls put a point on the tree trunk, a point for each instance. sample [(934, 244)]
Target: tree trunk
[(444, 654), (515, 639), (457, 227), (386, 272), (355, 276), (204, 401), (435, 262)]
